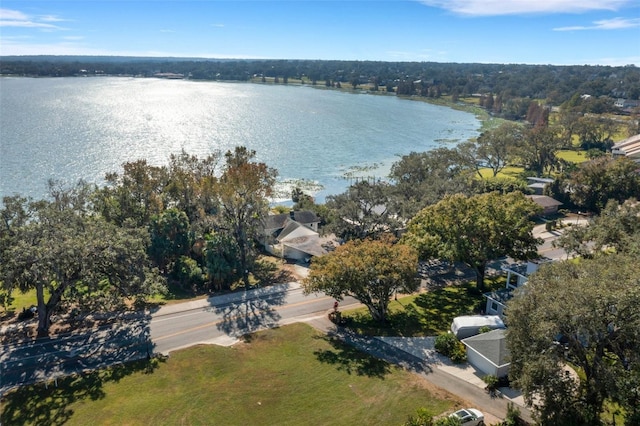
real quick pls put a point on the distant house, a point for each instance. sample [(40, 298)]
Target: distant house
[(488, 352), (537, 185), (629, 147), (626, 105), (517, 276), (549, 205), (293, 236)]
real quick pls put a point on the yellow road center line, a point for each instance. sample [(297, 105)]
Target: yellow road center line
[(210, 324)]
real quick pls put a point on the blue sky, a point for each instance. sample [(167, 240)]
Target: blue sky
[(561, 32)]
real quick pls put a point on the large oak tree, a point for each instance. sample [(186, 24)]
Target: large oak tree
[(70, 256), (493, 149), (617, 227), (586, 314), (369, 271), (363, 211), (475, 230)]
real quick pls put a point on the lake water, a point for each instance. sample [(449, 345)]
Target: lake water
[(81, 128)]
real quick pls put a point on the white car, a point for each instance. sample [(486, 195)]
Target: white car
[(469, 417)]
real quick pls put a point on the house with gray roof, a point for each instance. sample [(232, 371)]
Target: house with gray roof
[(488, 352), (538, 185), (549, 205), (293, 236)]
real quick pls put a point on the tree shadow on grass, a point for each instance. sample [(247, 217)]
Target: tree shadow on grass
[(429, 313), (441, 306), (406, 322), (48, 404), (351, 360), (269, 273)]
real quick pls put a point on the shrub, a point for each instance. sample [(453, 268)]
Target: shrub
[(445, 343), (513, 416), (422, 418), (459, 354), (484, 329), (448, 345), (448, 421), (491, 381), (551, 225)]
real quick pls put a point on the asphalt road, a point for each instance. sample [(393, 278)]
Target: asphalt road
[(220, 319), (46, 359), (223, 319)]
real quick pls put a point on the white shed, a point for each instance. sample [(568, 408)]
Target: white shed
[(488, 352)]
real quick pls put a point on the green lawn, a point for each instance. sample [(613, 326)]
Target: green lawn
[(572, 156), (424, 314), (20, 300), (293, 375)]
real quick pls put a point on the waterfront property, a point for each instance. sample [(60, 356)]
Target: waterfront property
[(293, 236)]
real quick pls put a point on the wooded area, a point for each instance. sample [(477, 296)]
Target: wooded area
[(506, 82)]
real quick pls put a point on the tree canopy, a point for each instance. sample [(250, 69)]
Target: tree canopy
[(617, 227), (243, 191), (424, 178), (363, 211), (494, 148), (597, 181), (371, 271), (585, 314), (70, 256), (475, 230), (539, 148)]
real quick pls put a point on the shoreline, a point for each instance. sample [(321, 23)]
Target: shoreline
[(485, 119)]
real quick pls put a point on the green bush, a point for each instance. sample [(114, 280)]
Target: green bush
[(491, 381), (459, 354), (484, 329), (423, 417), (448, 421), (513, 416), (448, 345), (445, 343)]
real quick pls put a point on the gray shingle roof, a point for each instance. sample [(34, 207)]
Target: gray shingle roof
[(544, 200), (277, 221), (492, 345)]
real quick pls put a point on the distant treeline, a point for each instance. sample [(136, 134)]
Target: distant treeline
[(550, 83)]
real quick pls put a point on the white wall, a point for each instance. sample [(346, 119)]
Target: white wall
[(480, 363)]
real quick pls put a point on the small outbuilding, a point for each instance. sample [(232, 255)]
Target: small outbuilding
[(488, 353), (470, 325), (549, 205), (538, 185)]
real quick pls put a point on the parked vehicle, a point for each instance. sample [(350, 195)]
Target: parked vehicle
[(470, 325), (469, 417)]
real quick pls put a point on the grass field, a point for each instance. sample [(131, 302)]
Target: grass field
[(293, 375), (572, 156)]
